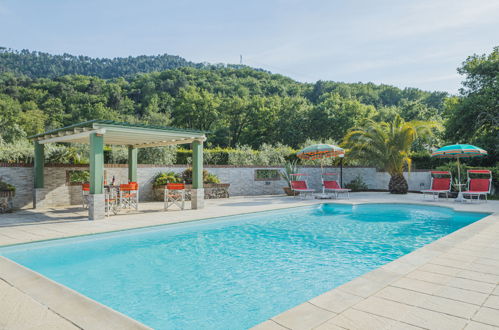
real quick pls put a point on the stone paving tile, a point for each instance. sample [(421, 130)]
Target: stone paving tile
[(434, 303), (477, 276), (409, 314), (304, 316), (439, 269), (467, 296), (399, 267), (492, 302), (450, 262), (487, 261), (353, 319), (471, 285), (336, 300), (488, 316), (482, 268), (496, 291), (269, 325), (459, 257), (416, 285), (429, 277), (20, 311), (480, 326), (362, 287)]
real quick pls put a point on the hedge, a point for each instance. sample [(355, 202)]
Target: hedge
[(266, 155)]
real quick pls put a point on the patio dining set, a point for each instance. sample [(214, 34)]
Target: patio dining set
[(120, 197)]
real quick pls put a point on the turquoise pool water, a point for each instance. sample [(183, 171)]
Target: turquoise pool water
[(235, 272)]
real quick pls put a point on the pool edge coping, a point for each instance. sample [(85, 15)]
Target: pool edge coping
[(362, 287), (76, 308), (46, 298)]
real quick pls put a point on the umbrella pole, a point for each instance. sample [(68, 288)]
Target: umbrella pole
[(459, 174), (322, 179), (341, 172)]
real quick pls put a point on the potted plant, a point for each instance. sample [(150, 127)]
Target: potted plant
[(161, 180), (290, 168), (208, 178), (7, 192)]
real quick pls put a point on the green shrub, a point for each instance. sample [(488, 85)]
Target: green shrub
[(4, 186), (357, 184), (158, 155), (215, 156), (79, 176), (21, 151), (211, 178), (115, 155), (207, 177), (167, 177)]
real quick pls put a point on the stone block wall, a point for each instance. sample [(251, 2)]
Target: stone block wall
[(242, 180), (21, 178)]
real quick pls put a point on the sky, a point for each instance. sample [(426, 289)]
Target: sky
[(406, 43)]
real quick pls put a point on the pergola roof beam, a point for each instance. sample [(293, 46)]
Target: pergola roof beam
[(70, 137), (166, 143)]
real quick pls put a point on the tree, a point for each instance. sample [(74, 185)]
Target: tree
[(474, 118), (335, 115), (387, 146), (196, 108)]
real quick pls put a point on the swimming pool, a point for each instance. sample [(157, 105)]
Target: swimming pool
[(235, 272)]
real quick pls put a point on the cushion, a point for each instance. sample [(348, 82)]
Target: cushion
[(441, 184), (331, 185), (299, 185), (479, 185), (175, 186)]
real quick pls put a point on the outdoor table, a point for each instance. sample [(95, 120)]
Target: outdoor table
[(110, 187)]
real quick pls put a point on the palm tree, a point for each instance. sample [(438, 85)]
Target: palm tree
[(387, 146)]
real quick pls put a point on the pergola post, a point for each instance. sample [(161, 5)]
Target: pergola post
[(197, 191), (132, 164), (39, 188), (96, 203)]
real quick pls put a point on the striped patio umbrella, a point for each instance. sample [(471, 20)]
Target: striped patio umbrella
[(319, 151), (459, 151)]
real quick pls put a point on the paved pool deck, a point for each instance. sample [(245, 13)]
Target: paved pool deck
[(452, 283)]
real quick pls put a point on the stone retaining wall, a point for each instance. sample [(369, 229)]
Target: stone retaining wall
[(242, 180)]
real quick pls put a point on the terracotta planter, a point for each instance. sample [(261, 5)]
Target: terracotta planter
[(290, 192)]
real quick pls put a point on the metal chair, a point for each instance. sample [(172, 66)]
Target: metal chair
[(439, 185), (300, 186), (174, 195), (85, 192), (478, 186), (111, 201), (129, 196)]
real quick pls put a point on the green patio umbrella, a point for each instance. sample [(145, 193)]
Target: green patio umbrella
[(459, 151)]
